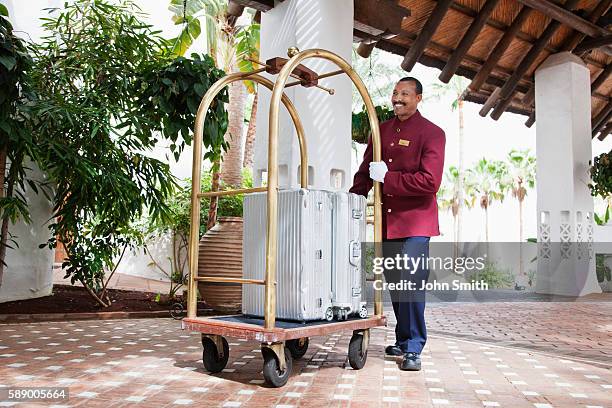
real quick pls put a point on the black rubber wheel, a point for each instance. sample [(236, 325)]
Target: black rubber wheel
[(272, 374), (356, 354), (298, 347), (177, 310), (212, 362)]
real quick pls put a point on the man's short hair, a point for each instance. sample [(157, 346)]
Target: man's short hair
[(418, 87)]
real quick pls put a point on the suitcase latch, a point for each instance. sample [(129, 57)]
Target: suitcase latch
[(355, 253), (357, 214), (319, 254)]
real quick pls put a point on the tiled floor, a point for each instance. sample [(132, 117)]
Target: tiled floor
[(152, 363), (581, 330)]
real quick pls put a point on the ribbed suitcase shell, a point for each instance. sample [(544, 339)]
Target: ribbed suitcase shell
[(349, 233), (303, 265)]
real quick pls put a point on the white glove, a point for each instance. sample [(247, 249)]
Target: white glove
[(378, 170)]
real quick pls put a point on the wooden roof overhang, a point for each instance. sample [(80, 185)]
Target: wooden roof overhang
[(497, 44)]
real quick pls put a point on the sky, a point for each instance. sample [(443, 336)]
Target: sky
[(484, 137)]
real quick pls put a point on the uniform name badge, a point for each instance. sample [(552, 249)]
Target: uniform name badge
[(403, 142)]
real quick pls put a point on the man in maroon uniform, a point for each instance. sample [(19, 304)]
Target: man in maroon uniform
[(411, 172)]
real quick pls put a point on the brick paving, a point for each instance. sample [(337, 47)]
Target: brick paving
[(581, 330), (152, 363)]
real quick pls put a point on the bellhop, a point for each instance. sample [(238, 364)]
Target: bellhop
[(411, 172), (413, 151)]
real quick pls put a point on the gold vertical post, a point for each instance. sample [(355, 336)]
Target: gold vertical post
[(196, 171), (271, 241)]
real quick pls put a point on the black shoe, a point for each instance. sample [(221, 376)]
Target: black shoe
[(393, 350), (411, 362)]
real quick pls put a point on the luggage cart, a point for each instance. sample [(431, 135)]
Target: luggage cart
[(280, 341)]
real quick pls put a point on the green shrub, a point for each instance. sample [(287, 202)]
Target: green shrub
[(495, 277), (602, 270)]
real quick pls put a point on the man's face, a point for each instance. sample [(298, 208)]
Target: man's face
[(405, 99)]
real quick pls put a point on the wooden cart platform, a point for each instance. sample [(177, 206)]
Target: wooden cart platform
[(251, 328)]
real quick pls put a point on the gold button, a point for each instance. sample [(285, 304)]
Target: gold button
[(398, 130), (390, 160), (389, 210), (392, 144)]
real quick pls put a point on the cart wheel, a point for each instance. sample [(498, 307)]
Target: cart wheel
[(329, 314), (298, 347), (356, 354), (363, 312), (210, 356), (271, 371), (176, 311)]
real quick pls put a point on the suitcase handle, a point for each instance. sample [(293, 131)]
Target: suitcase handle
[(357, 214), (355, 253)]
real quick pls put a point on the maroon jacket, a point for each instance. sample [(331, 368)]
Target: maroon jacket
[(414, 153)]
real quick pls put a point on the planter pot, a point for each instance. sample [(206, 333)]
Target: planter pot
[(220, 255)]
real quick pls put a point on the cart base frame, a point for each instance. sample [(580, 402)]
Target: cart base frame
[(241, 329)]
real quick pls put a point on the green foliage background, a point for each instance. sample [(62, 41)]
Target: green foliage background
[(102, 90)]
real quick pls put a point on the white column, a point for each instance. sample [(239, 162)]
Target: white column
[(327, 118), (566, 263)]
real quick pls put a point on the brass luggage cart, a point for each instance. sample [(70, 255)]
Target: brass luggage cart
[(280, 341)]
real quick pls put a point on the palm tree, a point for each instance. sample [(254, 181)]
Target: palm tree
[(228, 46), (249, 143), (455, 87), (520, 176), (248, 48), (449, 195), (486, 177)]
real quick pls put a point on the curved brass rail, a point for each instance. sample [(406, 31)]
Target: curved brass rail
[(271, 241), (196, 171)]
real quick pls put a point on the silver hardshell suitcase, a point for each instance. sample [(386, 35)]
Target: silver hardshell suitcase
[(303, 266), (349, 233)]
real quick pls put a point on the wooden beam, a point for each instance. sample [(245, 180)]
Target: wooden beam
[(376, 17), (499, 49), (466, 11), (481, 98), (571, 43), (595, 15), (602, 124), (234, 11), (529, 96), (601, 118), (588, 45), (417, 48), (601, 78), (466, 42), (508, 89), (565, 16), (365, 48), (605, 132), (259, 5), (491, 100), (531, 120), (437, 63)]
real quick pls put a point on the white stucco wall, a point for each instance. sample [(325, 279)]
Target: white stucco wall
[(28, 272)]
